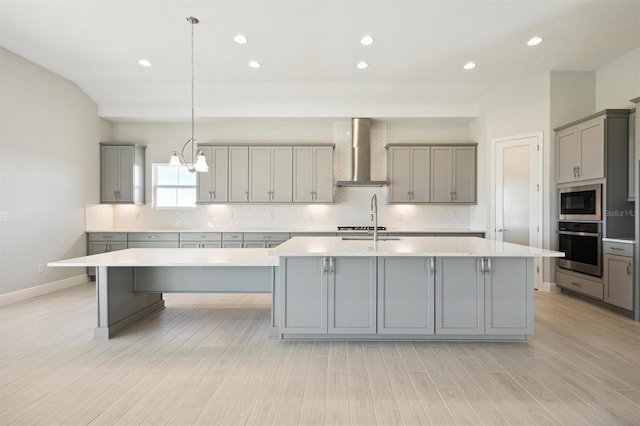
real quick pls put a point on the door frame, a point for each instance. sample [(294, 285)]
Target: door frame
[(539, 171)]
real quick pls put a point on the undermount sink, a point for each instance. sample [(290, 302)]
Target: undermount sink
[(369, 238)]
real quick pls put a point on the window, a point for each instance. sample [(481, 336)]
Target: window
[(173, 188)]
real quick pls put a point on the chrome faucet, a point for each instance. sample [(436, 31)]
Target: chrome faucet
[(374, 216)]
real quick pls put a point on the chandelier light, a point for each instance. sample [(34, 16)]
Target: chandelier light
[(198, 161)]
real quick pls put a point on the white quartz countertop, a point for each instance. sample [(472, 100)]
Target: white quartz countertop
[(174, 257), (411, 246)]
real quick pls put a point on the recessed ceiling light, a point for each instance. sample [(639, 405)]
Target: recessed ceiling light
[(366, 40), (534, 41), (144, 63), (469, 65), (241, 39), (362, 65), (254, 64)]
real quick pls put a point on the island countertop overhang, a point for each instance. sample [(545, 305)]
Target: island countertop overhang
[(413, 246)]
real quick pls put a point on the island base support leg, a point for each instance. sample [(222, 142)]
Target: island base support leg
[(118, 305)]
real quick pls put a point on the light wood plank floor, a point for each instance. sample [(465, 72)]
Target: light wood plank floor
[(207, 359)]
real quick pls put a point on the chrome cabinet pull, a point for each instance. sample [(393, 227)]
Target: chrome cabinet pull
[(154, 236), (432, 265), (628, 268), (324, 265), (246, 195), (488, 266), (481, 264), (332, 264), (576, 284)]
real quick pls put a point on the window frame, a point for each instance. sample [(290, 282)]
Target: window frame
[(155, 186)]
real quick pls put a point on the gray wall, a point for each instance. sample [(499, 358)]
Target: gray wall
[(49, 133)]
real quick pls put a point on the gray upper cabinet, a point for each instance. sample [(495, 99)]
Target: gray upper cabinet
[(405, 295), (270, 174), (453, 174), (581, 151), (408, 171), (238, 174), (313, 174), (121, 173), (212, 185)]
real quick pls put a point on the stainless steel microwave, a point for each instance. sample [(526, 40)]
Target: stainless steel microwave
[(580, 202)]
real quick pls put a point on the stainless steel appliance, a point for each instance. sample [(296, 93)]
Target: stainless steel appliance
[(580, 202), (582, 244)]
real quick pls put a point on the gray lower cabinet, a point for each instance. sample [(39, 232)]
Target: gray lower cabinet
[(459, 296), (508, 288), (483, 296), (405, 295), (264, 239), (200, 240), (154, 240), (304, 295), (351, 288), (618, 274), (329, 295)]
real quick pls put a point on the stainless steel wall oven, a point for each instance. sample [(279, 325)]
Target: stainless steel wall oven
[(582, 244)]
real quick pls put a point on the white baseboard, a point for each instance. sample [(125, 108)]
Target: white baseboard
[(39, 290), (550, 288)]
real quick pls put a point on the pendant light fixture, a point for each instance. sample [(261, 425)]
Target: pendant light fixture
[(198, 160)]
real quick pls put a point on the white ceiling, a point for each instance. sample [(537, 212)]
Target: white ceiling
[(308, 50)]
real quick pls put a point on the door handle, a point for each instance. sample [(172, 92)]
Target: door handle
[(488, 266), (432, 265), (324, 264), (628, 268), (332, 264), (481, 264)]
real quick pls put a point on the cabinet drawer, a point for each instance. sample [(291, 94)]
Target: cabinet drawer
[(200, 236), (108, 236), (619, 249), (266, 236), (232, 236), (154, 244), (580, 285), (154, 236)]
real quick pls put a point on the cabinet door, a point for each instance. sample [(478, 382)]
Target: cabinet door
[(238, 174), (304, 295), (405, 295), (205, 180), (212, 185), (281, 174), (108, 173), (323, 174), (508, 288), (459, 296), (464, 174), (303, 174), (97, 248), (352, 295), (399, 170), (567, 162), (420, 174), (189, 245), (631, 192), (591, 137), (618, 281), (126, 157), (441, 174), (259, 174)]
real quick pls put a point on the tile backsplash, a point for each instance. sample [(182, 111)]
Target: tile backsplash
[(351, 207)]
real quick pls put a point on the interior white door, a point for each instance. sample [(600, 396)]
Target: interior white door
[(517, 177)]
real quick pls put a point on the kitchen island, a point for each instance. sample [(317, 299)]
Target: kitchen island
[(428, 288), (406, 288)]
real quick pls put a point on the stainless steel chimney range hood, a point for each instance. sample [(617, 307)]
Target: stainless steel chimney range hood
[(361, 155)]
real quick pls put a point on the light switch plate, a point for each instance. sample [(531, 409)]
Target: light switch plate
[(4, 216)]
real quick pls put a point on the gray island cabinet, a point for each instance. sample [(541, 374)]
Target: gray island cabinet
[(395, 289)]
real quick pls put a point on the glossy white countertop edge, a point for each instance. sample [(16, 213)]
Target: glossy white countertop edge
[(410, 246), (174, 257), (285, 230)]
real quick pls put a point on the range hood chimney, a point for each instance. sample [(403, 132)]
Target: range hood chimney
[(361, 155)]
